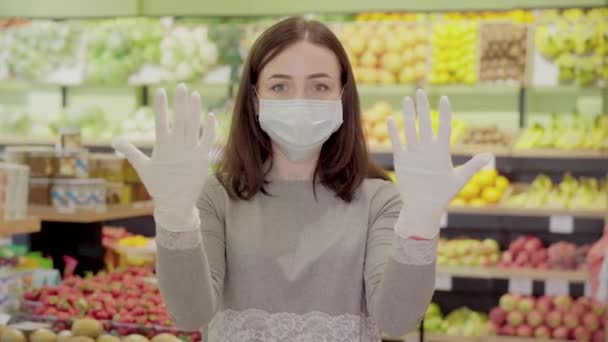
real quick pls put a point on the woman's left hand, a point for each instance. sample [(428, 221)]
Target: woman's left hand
[(426, 178)]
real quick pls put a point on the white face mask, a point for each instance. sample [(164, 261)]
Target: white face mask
[(300, 127)]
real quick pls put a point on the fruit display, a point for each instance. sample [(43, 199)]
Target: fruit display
[(36, 49), (485, 187), (119, 48), (576, 41), (558, 317), (486, 136), (529, 252), (503, 52), (468, 252), (460, 322), (518, 16), (187, 53), (566, 132), (374, 123), (122, 300), (82, 330), (386, 53), (454, 52), (389, 16), (570, 193)]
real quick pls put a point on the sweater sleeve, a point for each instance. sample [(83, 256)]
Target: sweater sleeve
[(399, 273), (191, 264)]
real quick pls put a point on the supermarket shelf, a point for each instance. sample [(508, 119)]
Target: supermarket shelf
[(445, 338), (16, 140), (112, 212), (497, 210), (22, 226), (272, 7), (68, 8), (559, 154), (577, 276)]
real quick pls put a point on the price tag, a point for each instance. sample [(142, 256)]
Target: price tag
[(444, 221), (520, 285), (491, 165), (443, 282), (556, 287), (561, 224)]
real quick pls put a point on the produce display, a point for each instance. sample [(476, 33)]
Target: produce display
[(117, 49), (460, 322), (503, 52), (36, 49), (386, 53), (468, 252), (374, 123), (530, 252), (454, 48), (119, 302), (558, 317), (485, 187), (575, 40), (486, 136), (389, 16), (570, 193), (518, 16), (566, 132)]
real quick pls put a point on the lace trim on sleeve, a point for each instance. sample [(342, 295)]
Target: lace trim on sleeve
[(414, 252), (178, 240)]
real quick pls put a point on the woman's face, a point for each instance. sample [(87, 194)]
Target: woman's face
[(301, 71)]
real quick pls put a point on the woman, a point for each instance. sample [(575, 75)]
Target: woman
[(299, 237)]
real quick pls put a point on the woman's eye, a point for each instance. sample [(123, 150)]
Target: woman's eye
[(278, 88), (321, 87)]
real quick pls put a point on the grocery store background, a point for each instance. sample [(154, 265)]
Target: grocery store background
[(526, 79)]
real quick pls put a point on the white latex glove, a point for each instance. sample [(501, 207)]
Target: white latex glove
[(425, 175), (175, 174)]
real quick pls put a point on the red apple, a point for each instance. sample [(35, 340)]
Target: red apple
[(522, 258), (506, 257), (533, 244), (517, 245), (515, 318), (498, 316), (599, 336), (598, 308), (554, 319), (581, 334), (507, 330), (544, 304), (524, 331), (542, 332), (508, 302), (543, 266), (578, 309), (585, 301), (540, 256), (591, 321), (493, 328), (562, 302), (561, 333), (570, 320), (525, 305), (534, 318)]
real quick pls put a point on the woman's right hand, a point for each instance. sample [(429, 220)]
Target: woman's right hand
[(179, 166)]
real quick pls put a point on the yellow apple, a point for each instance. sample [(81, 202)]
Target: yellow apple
[(380, 131), (382, 108), (406, 75), (356, 45), (407, 56), (394, 44), (419, 71), (369, 76), (375, 45), (391, 62), (368, 60), (420, 52), (349, 31), (386, 77)]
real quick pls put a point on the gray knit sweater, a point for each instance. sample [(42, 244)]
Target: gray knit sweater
[(292, 267)]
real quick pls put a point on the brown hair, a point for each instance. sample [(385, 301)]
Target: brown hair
[(344, 161)]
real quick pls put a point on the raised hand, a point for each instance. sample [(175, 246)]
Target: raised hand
[(426, 178), (177, 170)]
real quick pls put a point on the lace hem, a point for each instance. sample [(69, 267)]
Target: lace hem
[(414, 252), (178, 240), (254, 325)]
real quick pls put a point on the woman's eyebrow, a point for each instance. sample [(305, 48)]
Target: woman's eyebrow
[(283, 76), (319, 75)]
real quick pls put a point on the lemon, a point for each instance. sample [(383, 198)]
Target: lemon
[(502, 183), (478, 202), (458, 201), (485, 178), (469, 191), (491, 194)]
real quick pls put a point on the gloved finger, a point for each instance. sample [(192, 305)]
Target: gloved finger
[(161, 119), (208, 134), (409, 121), (180, 113), (424, 117), (194, 119), (132, 153), (394, 134), (466, 171), (445, 122)]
